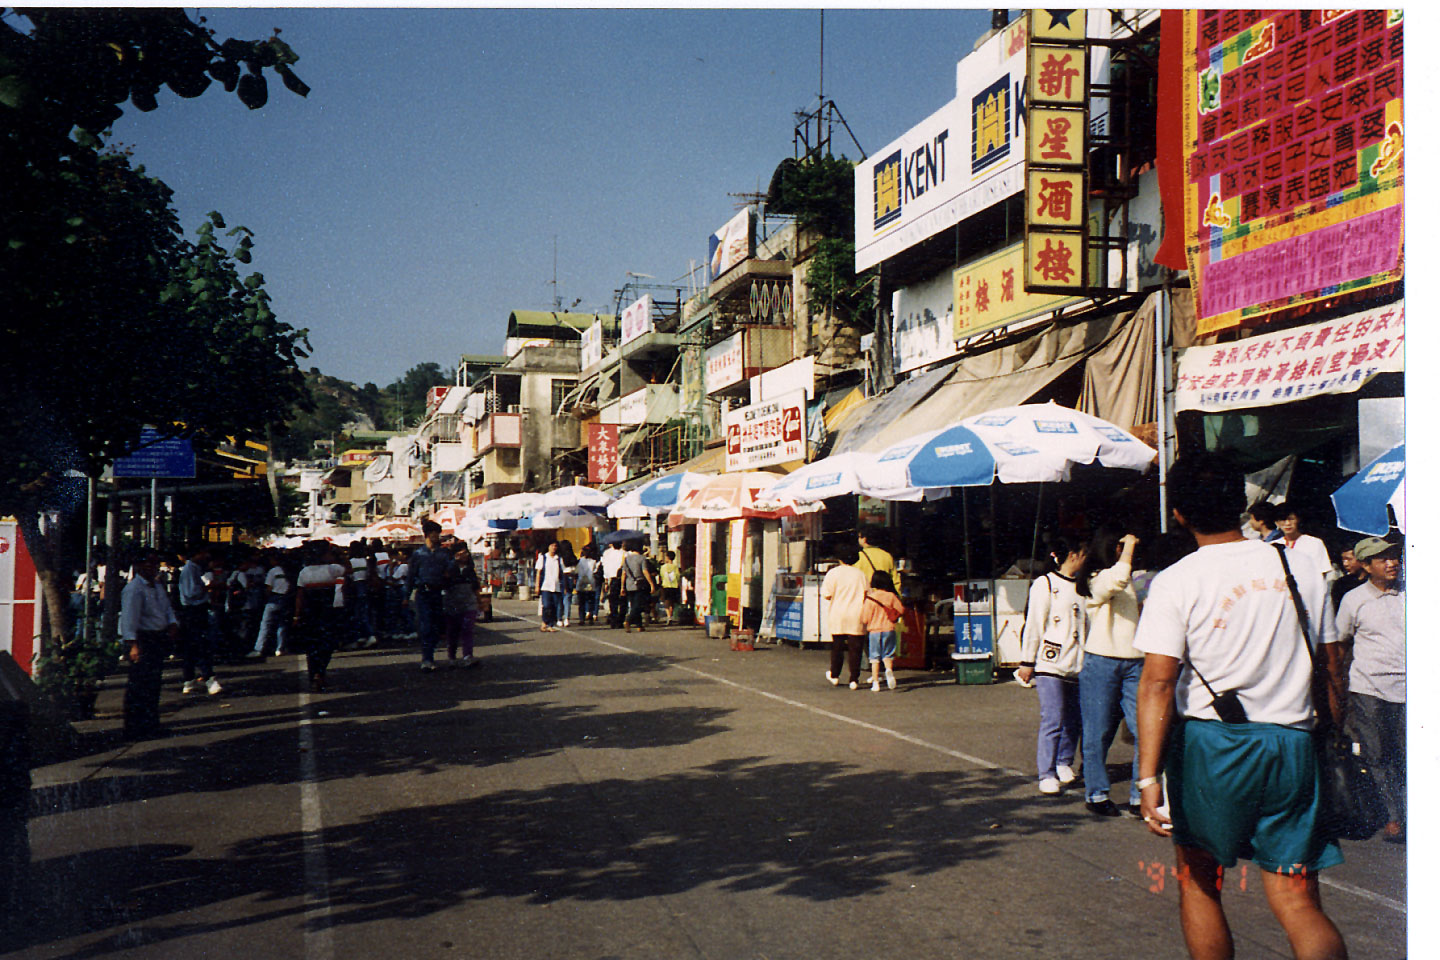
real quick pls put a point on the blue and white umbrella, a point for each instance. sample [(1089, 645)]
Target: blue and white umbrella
[(1360, 503), (656, 496), (1029, 443)]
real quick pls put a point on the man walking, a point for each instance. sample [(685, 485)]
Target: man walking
[(197, 647), (148, 628), (431, 570), (1223, 642), (610, 563), (275, 615), (1372, 618), (550, 575), (844, 589)]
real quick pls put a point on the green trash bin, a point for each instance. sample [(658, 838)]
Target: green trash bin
[(717, 594)]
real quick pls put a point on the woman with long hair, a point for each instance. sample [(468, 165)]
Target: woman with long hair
[(882, 609), (587, 583), (1110, 675), (568, 566), (1051, 650)]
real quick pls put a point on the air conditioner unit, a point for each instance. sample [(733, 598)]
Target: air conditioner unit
[(512, 408)]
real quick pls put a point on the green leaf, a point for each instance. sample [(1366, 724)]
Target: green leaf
[(14, 91), (75, 221)]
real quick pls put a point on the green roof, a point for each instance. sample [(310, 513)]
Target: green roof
[(556, 326)]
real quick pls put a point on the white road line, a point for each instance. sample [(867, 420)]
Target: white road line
[(319, 939), (1360, 892)]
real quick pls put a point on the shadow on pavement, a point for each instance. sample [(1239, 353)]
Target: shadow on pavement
[(805, 830)]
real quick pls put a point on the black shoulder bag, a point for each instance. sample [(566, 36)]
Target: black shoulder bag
[(1351, 807)]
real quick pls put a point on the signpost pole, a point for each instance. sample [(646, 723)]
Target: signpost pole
[(89, 542), (154, 515)]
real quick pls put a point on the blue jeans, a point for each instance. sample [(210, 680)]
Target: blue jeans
[(567, 601), (429, 618), (362, 617), (275, 617), (1059, 724), (589, 604), (1105, 684), (550, 606)]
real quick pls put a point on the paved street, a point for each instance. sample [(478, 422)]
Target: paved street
[(592, 794)]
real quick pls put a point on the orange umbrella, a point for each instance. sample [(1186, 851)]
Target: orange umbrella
[(449, 517), (730, 496), (392, 528)]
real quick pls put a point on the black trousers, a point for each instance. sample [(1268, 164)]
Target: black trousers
[(197, 646), (846, 647), (616, 596), (142, 686), (1379, 727)]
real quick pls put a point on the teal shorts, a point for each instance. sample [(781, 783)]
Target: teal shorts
[(1248, 790)]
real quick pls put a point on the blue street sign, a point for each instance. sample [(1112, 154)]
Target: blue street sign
[(157, 457)]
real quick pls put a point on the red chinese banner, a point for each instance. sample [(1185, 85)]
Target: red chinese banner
[(603, 440), (1293, 157)]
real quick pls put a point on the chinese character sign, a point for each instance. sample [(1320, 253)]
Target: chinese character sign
[(604, 450), (1335, 356), (990, 292), (1293, 142), (725, 363), (1056, 152), (765, 433)]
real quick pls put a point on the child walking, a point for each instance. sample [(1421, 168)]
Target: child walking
[(882, 609)]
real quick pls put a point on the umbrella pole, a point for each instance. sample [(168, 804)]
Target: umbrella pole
[(990, 491), (965, 522), (1035, 537)]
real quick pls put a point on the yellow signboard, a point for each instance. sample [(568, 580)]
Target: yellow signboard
[(1054, 199), (1056, 137), (1064, 26), (1058, 75), (1055, 259), (990, 293)]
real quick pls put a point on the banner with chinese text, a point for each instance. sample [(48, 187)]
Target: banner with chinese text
[(766, 433), (1337, 356), (1293, 143), (603, 441)]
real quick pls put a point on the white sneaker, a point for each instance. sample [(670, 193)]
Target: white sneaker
[(1066, 775), (854, 685), (254, 655), (1050, 785), (889, 679), (213, 687), (369, 642), (834, 680), (188, 686), (875, 685), (467, 661), (427, 665), (565, 623)]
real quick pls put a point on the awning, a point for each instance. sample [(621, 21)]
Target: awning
[(872, 428), (711, 460), (1003, 377), (837, 413)]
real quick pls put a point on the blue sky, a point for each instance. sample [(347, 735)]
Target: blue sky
[(415, 197)]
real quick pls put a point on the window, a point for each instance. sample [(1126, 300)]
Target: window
[(559, 390)]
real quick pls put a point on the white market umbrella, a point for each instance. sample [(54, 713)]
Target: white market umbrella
[(392, 528), (516, 506), (657, 496), (574, 496), (449, 517), (565, 517)]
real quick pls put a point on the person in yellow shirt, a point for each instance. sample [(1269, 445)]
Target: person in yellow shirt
[(875, 559)]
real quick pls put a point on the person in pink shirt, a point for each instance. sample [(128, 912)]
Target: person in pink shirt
[(882, 609), (844, 590)]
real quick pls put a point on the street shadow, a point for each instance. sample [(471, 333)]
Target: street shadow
[(805, 830)]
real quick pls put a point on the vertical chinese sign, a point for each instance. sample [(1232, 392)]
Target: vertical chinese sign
[(1056, 150), (1293, 147), (604, 449)]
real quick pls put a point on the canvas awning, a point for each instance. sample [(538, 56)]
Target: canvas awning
[(870, 427)]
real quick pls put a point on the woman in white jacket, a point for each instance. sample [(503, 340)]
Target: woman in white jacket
[(1111, 674), (1051, 651)]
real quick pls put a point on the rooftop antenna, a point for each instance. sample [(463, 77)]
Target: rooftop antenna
[(555, 270), (822, 56)]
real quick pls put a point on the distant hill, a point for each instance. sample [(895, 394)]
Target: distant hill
[(339, 407)]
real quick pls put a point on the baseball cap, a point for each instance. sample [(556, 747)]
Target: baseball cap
[(1372, 547)]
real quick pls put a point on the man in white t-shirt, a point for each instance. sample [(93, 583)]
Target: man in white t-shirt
[(1302, 545), (610, 563), (1220, 628)]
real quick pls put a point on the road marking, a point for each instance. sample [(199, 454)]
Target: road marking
[(1360, 892), (319, 939)]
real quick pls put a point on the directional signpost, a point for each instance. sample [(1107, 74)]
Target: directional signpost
[(171, 457)]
